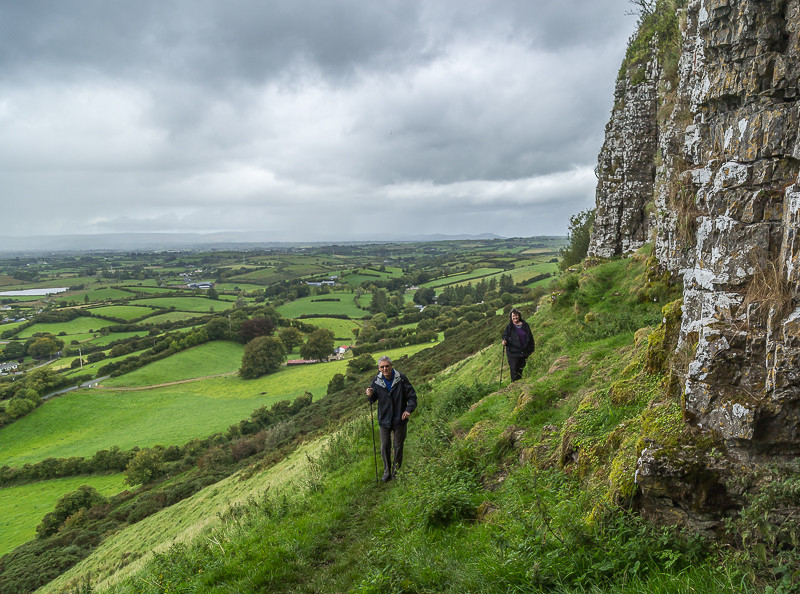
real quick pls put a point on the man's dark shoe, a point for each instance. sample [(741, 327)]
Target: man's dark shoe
[(386, 477)]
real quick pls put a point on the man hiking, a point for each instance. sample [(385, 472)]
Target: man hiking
[(396, 401)]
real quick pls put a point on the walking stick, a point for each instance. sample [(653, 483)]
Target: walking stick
[(502, 357), (374, 450)]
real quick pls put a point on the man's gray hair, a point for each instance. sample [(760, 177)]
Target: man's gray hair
[(385, 358)]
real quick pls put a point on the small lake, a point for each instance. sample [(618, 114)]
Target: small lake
[(48, 291)]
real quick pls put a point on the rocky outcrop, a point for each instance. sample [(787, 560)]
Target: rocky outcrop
[(727, 198), (625, 167)]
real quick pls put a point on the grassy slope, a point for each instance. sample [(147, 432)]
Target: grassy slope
[(76, 326), (22, 507), (212, 358), (304, 305), (173, 316), (125, 312), (134, 546), (342, 329), (466, 514), (191, 304)]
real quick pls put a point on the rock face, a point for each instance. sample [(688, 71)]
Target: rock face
[(727, 198), (625, 167)]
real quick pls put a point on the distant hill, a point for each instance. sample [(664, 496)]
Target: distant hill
[(162, 241)]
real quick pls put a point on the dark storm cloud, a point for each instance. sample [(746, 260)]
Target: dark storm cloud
[(303, 115)]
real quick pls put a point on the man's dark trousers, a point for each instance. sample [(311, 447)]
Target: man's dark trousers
[(386, 447)]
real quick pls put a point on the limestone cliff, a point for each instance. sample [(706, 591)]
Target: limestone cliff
[(713, 147)]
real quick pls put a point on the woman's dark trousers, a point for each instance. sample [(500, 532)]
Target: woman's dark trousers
[(516, 365), (386, 449)]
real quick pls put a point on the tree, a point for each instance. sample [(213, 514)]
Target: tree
[(31, 395), (256, 327), (262, 355), (146, 466), (336, 384), (216, 328), (360, 364), (19, 407), (319, 345), (580, 232), (424, 296), (379, 301), (290, 337), (44, 347), (84, 497), (506, 284), (212, 293), (14, 349)]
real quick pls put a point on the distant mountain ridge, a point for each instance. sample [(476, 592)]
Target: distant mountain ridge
[(154, 241)]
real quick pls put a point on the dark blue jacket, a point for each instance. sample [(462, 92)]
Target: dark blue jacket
[(393, 400)]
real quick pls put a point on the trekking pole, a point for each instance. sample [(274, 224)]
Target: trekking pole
[(502, 357), (374, 450)]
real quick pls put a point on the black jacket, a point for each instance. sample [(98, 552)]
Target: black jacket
[(392, 403), (513, 346)]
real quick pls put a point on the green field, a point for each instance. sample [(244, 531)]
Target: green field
[(212, 358), (22, 507), (173, 316), (237, 287), (10, 326), (462, 279), (125, 312), (370, 275), (81, 422), (148, 290), (77, 326), (103, 294), (195, 304), (342, 329), (346, 306), (112, 336)]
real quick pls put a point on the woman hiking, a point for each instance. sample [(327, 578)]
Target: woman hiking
[(518, 341)]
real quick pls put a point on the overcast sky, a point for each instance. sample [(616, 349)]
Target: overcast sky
[(313, 120)]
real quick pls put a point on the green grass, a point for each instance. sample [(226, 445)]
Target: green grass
[(77, 326), (148, 290), (233, 286), (9, 326), (173, 316), (81, 422), (369, 275), (463, 278), (22, 507), (182, 522), (340, 328), (192, 304), (125, 312), (319, 523), (103, 294), (113, 336), (346, 306), (212, 358)]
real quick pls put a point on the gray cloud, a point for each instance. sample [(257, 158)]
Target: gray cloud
[(303, 117)]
